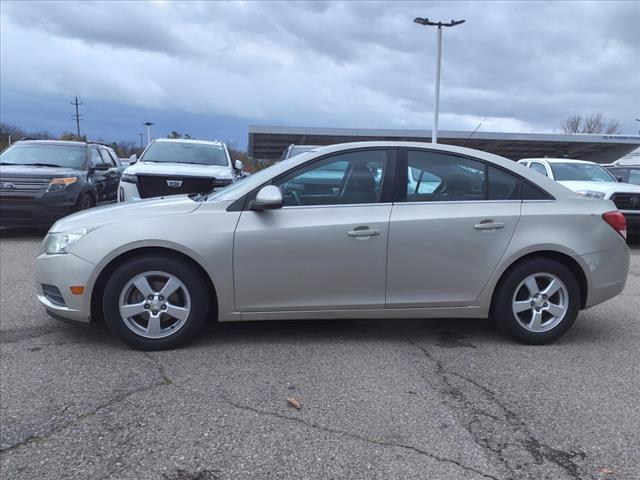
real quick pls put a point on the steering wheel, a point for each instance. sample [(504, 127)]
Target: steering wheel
[(296, 197)]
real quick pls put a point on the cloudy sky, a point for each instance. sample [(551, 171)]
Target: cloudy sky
[(213, 68)]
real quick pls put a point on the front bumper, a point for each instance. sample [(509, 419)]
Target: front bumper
[(62, 272), (42, 211), (608, 274), (633, 222)]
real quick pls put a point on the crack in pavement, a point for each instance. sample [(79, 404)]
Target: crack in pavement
[(484, 424), (165, 380), (355, 436), (112, 401)]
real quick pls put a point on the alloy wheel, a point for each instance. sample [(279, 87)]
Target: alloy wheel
[(540, 302), (154, 304)]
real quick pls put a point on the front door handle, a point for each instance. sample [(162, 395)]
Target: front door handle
[(488, 225), (363, 232)]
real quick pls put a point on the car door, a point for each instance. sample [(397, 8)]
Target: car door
[(112, 174), (326, 248), (448, 234), (97, 174)]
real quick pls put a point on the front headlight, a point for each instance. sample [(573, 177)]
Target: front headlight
[(590, 194), (128, 178), (61, 242), (59, 184)]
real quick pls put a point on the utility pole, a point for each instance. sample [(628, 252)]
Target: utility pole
[(77, 116), (141, 137), (148, 125), (427, 22)]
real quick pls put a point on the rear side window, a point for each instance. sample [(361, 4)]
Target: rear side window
[(440, 177), (529, 192), (502, 185), (634, 176)]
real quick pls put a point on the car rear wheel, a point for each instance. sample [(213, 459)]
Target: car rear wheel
[(537, 301), (155, 302)]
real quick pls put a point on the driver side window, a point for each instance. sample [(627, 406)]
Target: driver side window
[(95, 157), (440, 177), (348, 178)]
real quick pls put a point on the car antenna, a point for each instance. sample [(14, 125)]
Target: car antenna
[(472, 133)]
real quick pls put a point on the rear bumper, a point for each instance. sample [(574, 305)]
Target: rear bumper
[(62, 272), (608, 274), (41, 211)]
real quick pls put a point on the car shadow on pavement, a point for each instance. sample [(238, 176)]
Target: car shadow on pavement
[(448, 333)]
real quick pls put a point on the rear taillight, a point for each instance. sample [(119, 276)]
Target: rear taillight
[(617, 222)]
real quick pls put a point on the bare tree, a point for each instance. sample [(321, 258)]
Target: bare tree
[(613, 127), (590, 123), (572, 124)]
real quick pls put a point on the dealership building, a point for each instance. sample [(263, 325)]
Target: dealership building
[(268, 142)]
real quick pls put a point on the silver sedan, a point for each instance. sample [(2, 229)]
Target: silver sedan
[(360, 230)]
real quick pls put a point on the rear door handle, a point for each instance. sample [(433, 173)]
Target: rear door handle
[(363, 232), (488, 225)]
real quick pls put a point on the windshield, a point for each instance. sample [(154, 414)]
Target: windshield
[(582, 172), (185, 152), (45, 155)]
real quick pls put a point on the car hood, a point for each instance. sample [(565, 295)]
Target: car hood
[(179, 169), (35, 171), (155, 207), (604, 187)]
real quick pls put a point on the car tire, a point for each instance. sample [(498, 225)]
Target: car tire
[(526, 309), (85, 202), (135, 310)]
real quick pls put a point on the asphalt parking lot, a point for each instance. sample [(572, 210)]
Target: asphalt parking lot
[(445, 399)]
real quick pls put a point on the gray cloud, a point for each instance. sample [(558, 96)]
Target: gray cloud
[(519, 66)]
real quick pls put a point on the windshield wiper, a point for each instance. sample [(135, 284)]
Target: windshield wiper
[(37, 164), (7, 163)]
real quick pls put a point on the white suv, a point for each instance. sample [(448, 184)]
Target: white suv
[(178, 166), (592, 180)]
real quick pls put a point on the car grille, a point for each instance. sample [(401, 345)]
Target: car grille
[(159, 186), (22, 186), (626, 201)]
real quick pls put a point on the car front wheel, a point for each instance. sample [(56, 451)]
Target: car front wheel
[(155, 302), (537, 301)]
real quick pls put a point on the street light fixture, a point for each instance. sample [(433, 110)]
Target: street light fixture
[(427, 22), (148, 125)]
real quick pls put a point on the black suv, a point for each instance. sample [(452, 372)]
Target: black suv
[(44, 180)]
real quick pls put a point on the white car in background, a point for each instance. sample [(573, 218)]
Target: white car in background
[(177, 166), (591, 179)]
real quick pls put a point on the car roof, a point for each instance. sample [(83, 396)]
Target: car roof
[(51, 142), (189, 140), (557, 160)]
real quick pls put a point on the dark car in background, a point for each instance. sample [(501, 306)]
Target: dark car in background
[(625, 173), (41, 181)]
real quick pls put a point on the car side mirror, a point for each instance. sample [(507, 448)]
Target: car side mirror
[(133, 159), (103, 167), (238, 165), (268, 198), (620, 179)]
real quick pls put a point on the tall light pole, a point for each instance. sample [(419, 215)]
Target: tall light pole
[(148, 125), (427, 22)]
